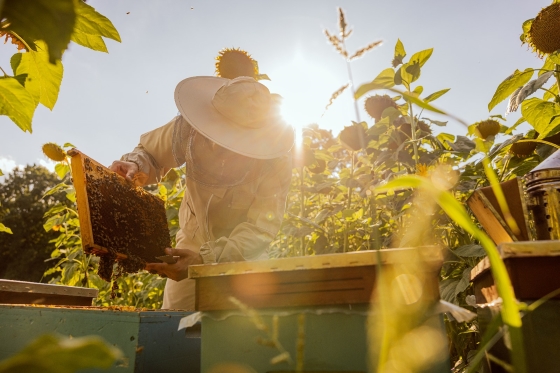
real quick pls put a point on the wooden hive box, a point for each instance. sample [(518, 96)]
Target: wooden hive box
[(116, 217), (533, 268), (332, 292), (304, 281)]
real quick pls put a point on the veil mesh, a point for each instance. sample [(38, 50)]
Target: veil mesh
[(210, 164)]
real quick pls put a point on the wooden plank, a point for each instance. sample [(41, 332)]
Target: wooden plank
[(79, 181), (34, 287), (430, 255), (489, 218), (329, 286)]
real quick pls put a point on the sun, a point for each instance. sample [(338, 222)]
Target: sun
[(305, 87)]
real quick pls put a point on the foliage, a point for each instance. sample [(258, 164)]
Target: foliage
[(55, 354), (43, 29), (24, 251)]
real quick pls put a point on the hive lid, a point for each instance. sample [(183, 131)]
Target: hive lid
[(38, 288), (551, 163), (430, 254), (518, 250)]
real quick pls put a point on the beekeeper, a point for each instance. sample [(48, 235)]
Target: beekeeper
[(235, 145)]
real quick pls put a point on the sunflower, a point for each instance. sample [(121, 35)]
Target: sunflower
[(544, 33), (487, 128), (375, 105), (232, 63), (523, 149), (54, 152)]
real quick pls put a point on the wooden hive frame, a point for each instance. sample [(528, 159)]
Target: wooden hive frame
[(84, 166)]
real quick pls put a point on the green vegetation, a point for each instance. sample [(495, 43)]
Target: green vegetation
[(24, 251)]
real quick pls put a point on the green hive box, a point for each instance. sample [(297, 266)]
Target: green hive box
[(332, 292), (149, 340)]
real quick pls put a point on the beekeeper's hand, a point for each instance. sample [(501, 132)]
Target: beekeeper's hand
[(129, 170), (178, 271)]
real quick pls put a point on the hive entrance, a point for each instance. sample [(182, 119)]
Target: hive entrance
[(118, 221)]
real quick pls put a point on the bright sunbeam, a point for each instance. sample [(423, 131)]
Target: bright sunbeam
[(306, 87)]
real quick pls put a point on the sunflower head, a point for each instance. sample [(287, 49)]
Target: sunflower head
[(232, 63), (487, 128), (523, 149), (544, 32), (375, 105), (54, 152), (354, 137)]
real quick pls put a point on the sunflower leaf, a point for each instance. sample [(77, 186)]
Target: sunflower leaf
[(43, 78), (385, 79), (16, 102), (434, 96), (49, 20), (542, 115), (509, 85)]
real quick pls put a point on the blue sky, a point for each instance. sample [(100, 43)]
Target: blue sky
[(108, 100)]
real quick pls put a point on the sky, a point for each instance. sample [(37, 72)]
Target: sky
[(107, 101)]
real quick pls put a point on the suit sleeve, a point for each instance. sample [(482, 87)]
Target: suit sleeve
[(154, 154)]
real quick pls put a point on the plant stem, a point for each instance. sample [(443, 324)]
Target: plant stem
[(351, 79), (349, 203), (302, 206), (413, 133)]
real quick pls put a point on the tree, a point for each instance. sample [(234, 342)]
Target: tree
[(23, 253)]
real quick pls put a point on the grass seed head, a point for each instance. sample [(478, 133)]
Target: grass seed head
[(544, 34), (54, 152), (375, 105), (232, 63), (487, 128)]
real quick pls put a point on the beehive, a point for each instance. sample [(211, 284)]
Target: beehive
[(117, 219)]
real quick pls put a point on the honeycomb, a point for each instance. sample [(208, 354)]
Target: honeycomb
[(119, 221)]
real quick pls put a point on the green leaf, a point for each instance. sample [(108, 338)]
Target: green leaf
[(509, 85), (422, 57), (43, 78), (551, 93), (548, 66), (16, 102), (89, 21), (417, 101), (1, 173), (412, 72), (262, 77), (385, 79), (53, 354), (515, 125), (434, 96), (5, 229), (470, 251), (49, 20), (526, 27), (61, 169), (554, 58), (94, 42), (544, 116), (399, 50)]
